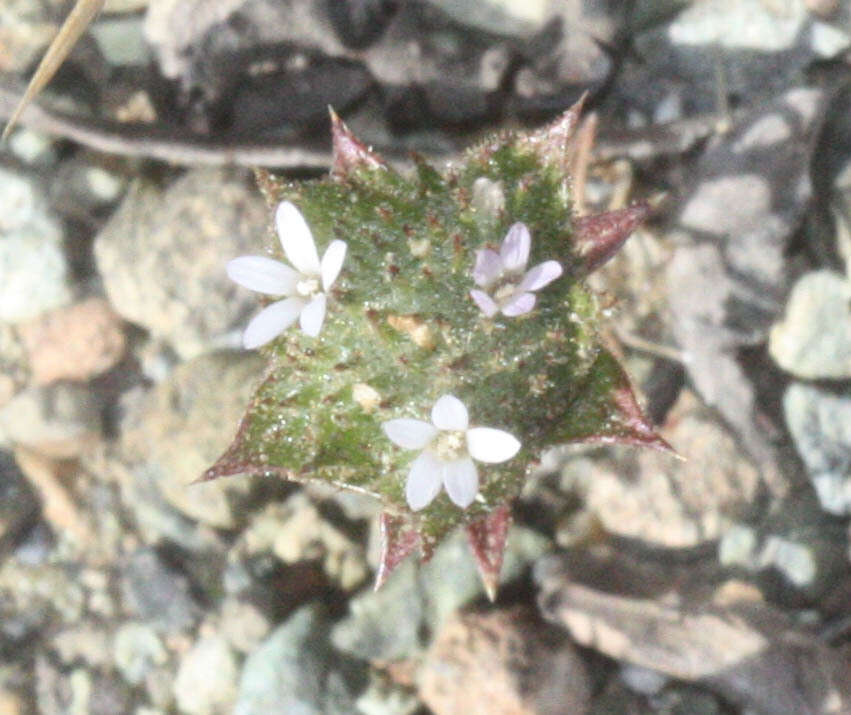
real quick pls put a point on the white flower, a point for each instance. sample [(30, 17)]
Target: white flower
[(305, 286), (507, 284), (447, 445)]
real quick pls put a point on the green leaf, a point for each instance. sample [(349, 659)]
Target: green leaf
[(401, 331)]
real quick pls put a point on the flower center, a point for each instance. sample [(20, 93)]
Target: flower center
[(449, 445), (307, 287), (505, 288)]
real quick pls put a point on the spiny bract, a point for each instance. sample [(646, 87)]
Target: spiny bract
[(402, 330)]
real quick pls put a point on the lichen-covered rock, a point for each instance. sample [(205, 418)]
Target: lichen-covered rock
[(417, 305), (179, 235)]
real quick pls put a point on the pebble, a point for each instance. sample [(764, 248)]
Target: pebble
[(206, 678), (650, 496), (32, 147), (121, 41), (296, 671), (60, 420), (243, 624), (26, 31), (157, 594), (137, 650), (11, 703), (820, 424), (813, 340), (507, 659), (76, 342), (33, 267), (181, 427), (734, 45), (162, 257)]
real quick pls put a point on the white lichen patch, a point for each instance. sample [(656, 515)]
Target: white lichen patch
[(419, 248), (415, 328), (367, 397)]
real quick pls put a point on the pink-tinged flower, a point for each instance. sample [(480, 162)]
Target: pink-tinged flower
[(506, 284), (449, 446), (304, 285)]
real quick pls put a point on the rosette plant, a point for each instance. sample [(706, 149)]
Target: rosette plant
[(421, 361)]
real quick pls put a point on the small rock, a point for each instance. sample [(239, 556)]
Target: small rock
[(507, 659), (182, 426), (739, 24), (26, 31), (173, 26), (157, 594), (566, 54), (121, 42), (83, 643), (60, 420), (747, 651), (741, 40), (162, 257), (798, 542), (33, 267), (795, 560), (137, 650), (108, 695), (84, 189), (643, 680), (18, 503), (244, 625), (32, 147), (814, 339), (11, 703), (652, 497), (295, 531), (295, 670), (206, 680), (73, 343), (820, 423)]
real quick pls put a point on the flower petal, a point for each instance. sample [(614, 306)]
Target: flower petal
[(491, 445), (540, 275), (487, 304), (518, 304), (449, 413), (313, 316), (297, 239), (270, 322), (515, 248), (263, 275), (408, 433), (488, 267), (461, 480), (424, 481), (332, 262)]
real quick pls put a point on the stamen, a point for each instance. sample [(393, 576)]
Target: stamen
[(307, 287), (449, 445)]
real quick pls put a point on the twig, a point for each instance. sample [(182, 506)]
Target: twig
[(170, 145), (178, 146)]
